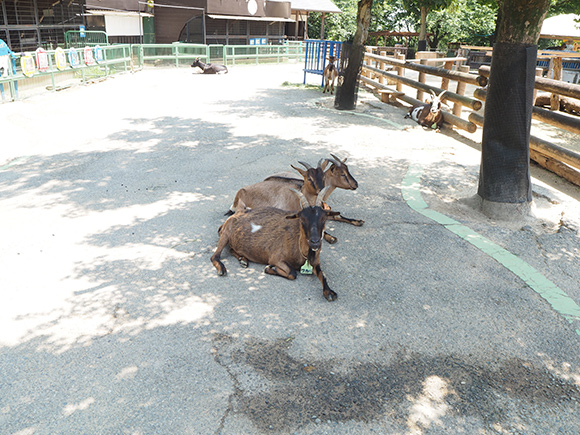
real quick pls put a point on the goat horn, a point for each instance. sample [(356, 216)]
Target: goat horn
[(320, 196), (441, 94), (336, 161), (303, 200), (306, 165), (320, 163)]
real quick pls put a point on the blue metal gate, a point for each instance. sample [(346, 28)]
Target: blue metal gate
[(317, 51)]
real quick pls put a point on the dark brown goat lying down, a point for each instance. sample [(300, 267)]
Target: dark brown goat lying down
[(284, 241)]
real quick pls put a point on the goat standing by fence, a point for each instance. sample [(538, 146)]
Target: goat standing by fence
[(330, 75)]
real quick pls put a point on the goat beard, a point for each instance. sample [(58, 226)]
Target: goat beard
[(311, 255)]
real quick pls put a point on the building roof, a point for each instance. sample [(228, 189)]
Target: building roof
[(560, 27), (315, 6)]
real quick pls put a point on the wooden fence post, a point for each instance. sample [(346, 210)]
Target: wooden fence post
[(555, 98), (445, 81), (400, 71), (368, 62), (539, 72), (460, 90), (422, 76), (382, 65)]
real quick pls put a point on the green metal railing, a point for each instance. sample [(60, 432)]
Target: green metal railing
[(76, 38), (179, 53), (167, 54), (262, 53), (125, 57)]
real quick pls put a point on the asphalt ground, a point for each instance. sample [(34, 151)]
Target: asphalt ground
[(113, 319)]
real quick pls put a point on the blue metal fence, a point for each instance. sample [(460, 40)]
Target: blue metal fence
[(317, 52)]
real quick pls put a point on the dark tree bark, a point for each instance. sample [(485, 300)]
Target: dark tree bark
[(352, 59), (504, 177)]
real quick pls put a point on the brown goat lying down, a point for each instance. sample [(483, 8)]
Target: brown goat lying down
[(284, 241), (274, 191)]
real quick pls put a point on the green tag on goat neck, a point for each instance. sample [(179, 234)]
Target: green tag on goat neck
[(306, 268)]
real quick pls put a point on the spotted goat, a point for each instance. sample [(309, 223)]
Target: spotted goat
[(428, 115)]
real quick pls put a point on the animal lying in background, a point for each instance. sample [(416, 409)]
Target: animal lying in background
[(429, 114), (209, 68), (284, 241), (330, 75)]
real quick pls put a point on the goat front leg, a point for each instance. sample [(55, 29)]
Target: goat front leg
[(341, 218), (327, 292), (329, 238)]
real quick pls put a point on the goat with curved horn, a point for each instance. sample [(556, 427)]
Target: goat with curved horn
[(338, 161), (284, 242), (303, 200), (428, 115)]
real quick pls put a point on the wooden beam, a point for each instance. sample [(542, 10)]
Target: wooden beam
[(543, 84)]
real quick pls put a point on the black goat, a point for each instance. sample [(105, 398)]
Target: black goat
[(209, 68)]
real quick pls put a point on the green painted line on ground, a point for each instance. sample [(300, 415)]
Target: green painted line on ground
[(13, 162), (550, 292)]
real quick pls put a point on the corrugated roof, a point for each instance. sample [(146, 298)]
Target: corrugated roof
[(315, 6)]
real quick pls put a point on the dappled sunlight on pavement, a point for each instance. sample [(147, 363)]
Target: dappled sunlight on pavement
[(113, 319)]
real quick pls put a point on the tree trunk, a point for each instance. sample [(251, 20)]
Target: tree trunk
[(504, 178), (346, 93), (363, 21), (422, 44)]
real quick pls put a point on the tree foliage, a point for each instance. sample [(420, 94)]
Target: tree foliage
[(467, 21), (470, 22)]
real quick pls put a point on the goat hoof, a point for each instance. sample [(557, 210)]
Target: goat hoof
[(330, 239), (222, 272), (358, 223), (244, 263), (330, 295)]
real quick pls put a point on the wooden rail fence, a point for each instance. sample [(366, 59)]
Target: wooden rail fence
[(379, 68)]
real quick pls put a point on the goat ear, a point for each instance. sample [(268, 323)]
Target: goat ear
[(241, 205), (324, 164), (301, 171), (292, 216)]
